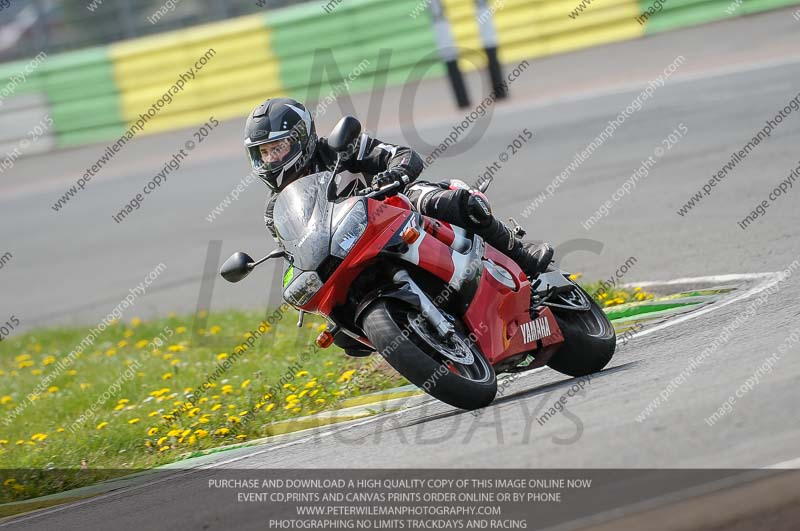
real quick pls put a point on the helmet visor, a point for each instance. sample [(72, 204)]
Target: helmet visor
[(273, 155)]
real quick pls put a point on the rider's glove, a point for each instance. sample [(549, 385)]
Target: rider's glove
[(395, 175)]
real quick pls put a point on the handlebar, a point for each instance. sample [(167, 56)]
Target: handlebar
[(372, 193)]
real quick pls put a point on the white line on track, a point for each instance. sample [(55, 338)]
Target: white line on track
[(768, 280)]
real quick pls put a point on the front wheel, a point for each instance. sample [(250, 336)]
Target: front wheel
[(405, 339), (589, 337)]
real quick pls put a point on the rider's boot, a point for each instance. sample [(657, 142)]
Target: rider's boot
[(532, 258)]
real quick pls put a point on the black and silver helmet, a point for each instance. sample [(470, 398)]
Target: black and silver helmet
[(288, 128)]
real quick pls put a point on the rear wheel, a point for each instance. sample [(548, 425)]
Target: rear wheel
[(453, 371), (589, 337)]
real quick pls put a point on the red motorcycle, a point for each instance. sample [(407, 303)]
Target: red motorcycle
[(445, 309)]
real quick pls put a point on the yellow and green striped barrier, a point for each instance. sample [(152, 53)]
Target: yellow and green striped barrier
[(95, 94)]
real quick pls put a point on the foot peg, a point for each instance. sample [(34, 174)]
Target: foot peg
[(517, 229)]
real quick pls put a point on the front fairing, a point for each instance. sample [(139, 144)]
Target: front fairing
[(302, 221)]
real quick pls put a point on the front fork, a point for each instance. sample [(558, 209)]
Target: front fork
[(444, 328)]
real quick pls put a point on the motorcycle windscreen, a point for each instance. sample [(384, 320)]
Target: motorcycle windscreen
[(302, 220)]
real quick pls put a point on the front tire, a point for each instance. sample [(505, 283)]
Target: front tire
[(404, 345), (589, 339)]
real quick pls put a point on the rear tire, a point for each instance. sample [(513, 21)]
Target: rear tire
[(386, 324), (589, 340)]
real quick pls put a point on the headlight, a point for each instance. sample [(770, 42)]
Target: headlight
[(302, 288), (350, 230)]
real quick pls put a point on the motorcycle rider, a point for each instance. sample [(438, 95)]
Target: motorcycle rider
[(282, 145)]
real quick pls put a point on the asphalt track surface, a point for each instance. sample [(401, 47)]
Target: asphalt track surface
[(76, 265)]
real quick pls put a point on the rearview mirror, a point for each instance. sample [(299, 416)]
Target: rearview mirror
[(344, 134), (240, 264), (237, 267)]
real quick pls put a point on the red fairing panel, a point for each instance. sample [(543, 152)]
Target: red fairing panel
[(384, 221), (510, 327), (436, 257)]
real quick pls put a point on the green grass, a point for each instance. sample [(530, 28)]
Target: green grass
[(144, 415), (149, 406)]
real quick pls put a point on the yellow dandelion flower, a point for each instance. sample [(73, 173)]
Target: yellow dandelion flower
[(269, 408), (111, 352), (287, 386), (200, 433), (102, 425), (38, 437), (314, 392), (36, 372), (133, 421), (216, 407), (215, 329), (152, 431), (176, 348), (85, 386), (180, 330), (222, 431), (346, 376), (9, 482), (3, 441), (141, 343), (227, 389), (312, 383), (25, 364), (297, 410), (52, 389), (301, 374), (136, 321), (241, 436), (161, 441), (72, 372), (173, 433), (6, 400), (291, 398), (127, 333), (245, 383), (59, 430), (18, 487), (163, 448), (166, 376), (20, 442), (49, 360), (122, 344), (233, 419), (320, 400)]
